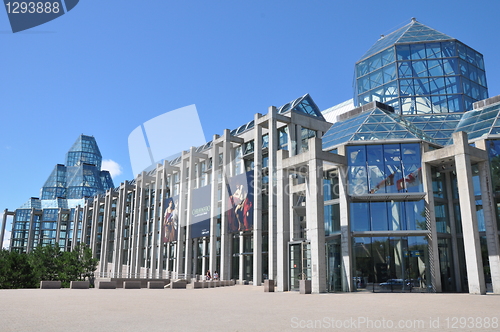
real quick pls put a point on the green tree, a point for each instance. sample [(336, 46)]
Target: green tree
[(46, 262), (16, 271)]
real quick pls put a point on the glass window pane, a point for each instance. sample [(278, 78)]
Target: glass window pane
[(378, 212), (448, 49), (360, 217), (403, 52)]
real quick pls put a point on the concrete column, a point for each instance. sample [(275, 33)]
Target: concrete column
[(433, 239), (135, 267), (203, 261), (257, 204), (283, 223), (86, 212), (103, 263), (298, 139), (292, 139), (76, 225), (315, 219), (241, 270), (214, 210), (273, 148), (475, 273), (182, 239), (225, 257), (491, 224), (58, 226), (120, 221), (345, 228), (31, 233), (94, 225), (189, 216), (4, 224)]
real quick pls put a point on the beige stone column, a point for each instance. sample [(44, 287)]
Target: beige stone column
[(473, 259)]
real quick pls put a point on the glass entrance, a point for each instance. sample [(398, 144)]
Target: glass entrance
[(333, 265), (391, 264), (300, 263)]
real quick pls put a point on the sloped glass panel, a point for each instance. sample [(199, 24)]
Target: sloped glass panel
[(435, 68), (362, 68), (403, 52), (420, 68), (433, 50), (405, 69), (450, 66), (421, 86), (449, 49), (387, 56), (376, 79), (389, 73), (406, 87), (452, 85), (455, 103), (417, 51), (374, 62), (437, 86)]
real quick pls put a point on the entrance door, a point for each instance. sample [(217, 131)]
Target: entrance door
[(333, 265)]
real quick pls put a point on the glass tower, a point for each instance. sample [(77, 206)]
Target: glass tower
[(51, 219), (418, 70)]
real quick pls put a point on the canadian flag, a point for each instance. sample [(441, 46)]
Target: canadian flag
[(411, 180)]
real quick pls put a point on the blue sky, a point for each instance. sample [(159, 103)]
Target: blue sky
[(108, 66)]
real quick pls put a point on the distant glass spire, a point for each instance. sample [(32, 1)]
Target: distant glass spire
[(81, 177)]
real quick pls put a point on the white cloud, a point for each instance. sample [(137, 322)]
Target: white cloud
[(112, 166)]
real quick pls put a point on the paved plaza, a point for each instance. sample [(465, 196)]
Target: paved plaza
[(241, 308)]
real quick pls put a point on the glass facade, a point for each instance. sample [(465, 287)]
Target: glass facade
[(51, 219), (418, 70)]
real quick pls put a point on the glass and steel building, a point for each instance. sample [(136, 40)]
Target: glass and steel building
[(55, 217), (397, 192), (422, 73)]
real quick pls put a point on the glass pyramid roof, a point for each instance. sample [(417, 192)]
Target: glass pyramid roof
[(480, 123), (410, 33), (84, 151), (376, 124), (439, 126), (304, 104)]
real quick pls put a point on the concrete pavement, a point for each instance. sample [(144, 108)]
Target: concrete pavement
[(241, 308)]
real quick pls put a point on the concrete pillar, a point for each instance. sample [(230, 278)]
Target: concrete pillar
[(2, 230), (225, 257), (345, 228), (491, 224), (31, 233), (315, 219), (76, 225), (272, 149), (119, 222), (298, 139), (191, 181), (292, 139), (257, 204), (103, 263), (203, 261), (433, 239), (214, 210), (282, 223), (241, 270), (135, 267), (58, 226), (475, 273)]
